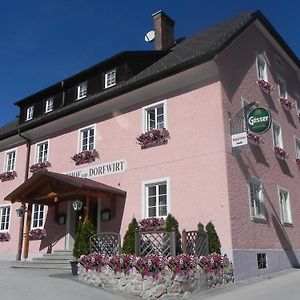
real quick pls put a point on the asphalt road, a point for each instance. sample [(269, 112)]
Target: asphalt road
[(29, 284)]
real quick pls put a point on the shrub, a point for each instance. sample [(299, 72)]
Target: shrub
[(82, 239), (213, 239), (129, 238), (171, 223)]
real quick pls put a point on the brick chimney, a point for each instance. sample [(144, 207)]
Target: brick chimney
[(164, 31)]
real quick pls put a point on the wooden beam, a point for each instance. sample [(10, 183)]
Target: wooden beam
[(87, 208), (27, 228)]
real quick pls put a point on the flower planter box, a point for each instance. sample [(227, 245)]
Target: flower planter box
[(8, 176), (254, 138), (37, 234), (286, 104), (85, 157), (297, 160), (154, 137), (281, 153), (39, 167), (152, 224), (4, 236), (265, 86)]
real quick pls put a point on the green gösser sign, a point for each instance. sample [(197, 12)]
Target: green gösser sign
[(259, 120)]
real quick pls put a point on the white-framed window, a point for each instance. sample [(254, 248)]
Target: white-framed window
[(261, 67), (110, 78), (49, 105), (87, 138), (82, 90), (155, 116), (156, 197), (257, 209), (5, 211), (297, 100), (29, 113), (285, 206), (282, 90), (37, 220), (297, 147), (42, 152), (10, 161), (277, 135)]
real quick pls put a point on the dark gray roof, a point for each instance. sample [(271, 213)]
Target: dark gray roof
[(12, 125), (191, 51)]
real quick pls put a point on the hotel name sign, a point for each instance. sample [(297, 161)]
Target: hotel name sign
[(109, 168)]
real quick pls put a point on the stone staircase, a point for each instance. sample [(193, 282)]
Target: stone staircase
[(56, 260)]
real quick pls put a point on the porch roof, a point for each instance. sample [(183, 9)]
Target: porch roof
[(50, 187)]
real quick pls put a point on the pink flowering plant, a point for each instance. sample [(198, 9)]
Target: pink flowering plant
[(37, 233), (86, 156), (153, 137), (265, 86), (254, 138), (4, 236), (8, 176), (286, 103), (297, 160), (152, 224), (155, 265), (38, 167), (281, 153)]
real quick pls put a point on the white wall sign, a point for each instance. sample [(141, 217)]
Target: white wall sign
[(109, 168), (239, 139)]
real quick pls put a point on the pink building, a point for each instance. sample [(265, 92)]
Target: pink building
[(198, 89)]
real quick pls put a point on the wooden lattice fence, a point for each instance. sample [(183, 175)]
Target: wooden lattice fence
[(107, 243), (195, 243)]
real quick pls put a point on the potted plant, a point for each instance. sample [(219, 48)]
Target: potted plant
[(281, 153), (153, 137), (265, 86), (85, 157), (38, 167), (8, 176), (82, 243), (286, 103)]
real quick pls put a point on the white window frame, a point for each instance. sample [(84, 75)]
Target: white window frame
[(145, 125), (39, 220), (282, 94), (110, 78), (37, 150), (9, 217), (297, 100), (81, 90), (49, 105), (297, 147), (285, 220), (258, 201), (145, 185), (260, 59), (80, 137), (29, 113), (280, 135), (5, 166)]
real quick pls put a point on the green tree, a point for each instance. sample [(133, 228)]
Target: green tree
[(82, 239), (171, 223), (129, 237), (213, 239)]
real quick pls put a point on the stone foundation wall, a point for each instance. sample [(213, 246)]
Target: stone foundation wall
[(166, 285)]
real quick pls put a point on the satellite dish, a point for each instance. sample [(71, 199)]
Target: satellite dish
[(149, 36)]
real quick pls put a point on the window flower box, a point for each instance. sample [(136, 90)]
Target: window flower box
[(297, 160), (38, 167), (152, 224), (254, 138), (4, 236), (153, 137), (265, 86), (37, 233), (287, 104), (281, 153), (8, 176), (85, 157)]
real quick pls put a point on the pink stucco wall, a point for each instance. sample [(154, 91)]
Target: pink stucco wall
[(238, 74)]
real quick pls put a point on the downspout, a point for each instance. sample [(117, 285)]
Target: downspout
[(22, 218)]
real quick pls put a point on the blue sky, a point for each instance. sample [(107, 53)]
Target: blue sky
[(43, 42)]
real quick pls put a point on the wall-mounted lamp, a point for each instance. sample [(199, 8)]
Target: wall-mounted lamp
[(21, 211), (77, 205), (105, 215)]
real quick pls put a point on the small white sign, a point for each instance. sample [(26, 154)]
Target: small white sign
[(239, 139), (106, 169)]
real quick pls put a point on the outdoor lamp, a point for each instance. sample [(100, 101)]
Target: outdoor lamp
[(21, 211), (77, 205)]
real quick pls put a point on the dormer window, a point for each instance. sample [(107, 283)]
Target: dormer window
[(81, 90), (49, 105), (29, 113), (110, 78)]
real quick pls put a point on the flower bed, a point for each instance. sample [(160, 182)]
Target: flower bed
[(4, 236), (254, 138), (8, 176), (37, 233), (281, 153), (287, 104), (155, 276), (265, 86), (153, 137), (86, 156), (38, 167)]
